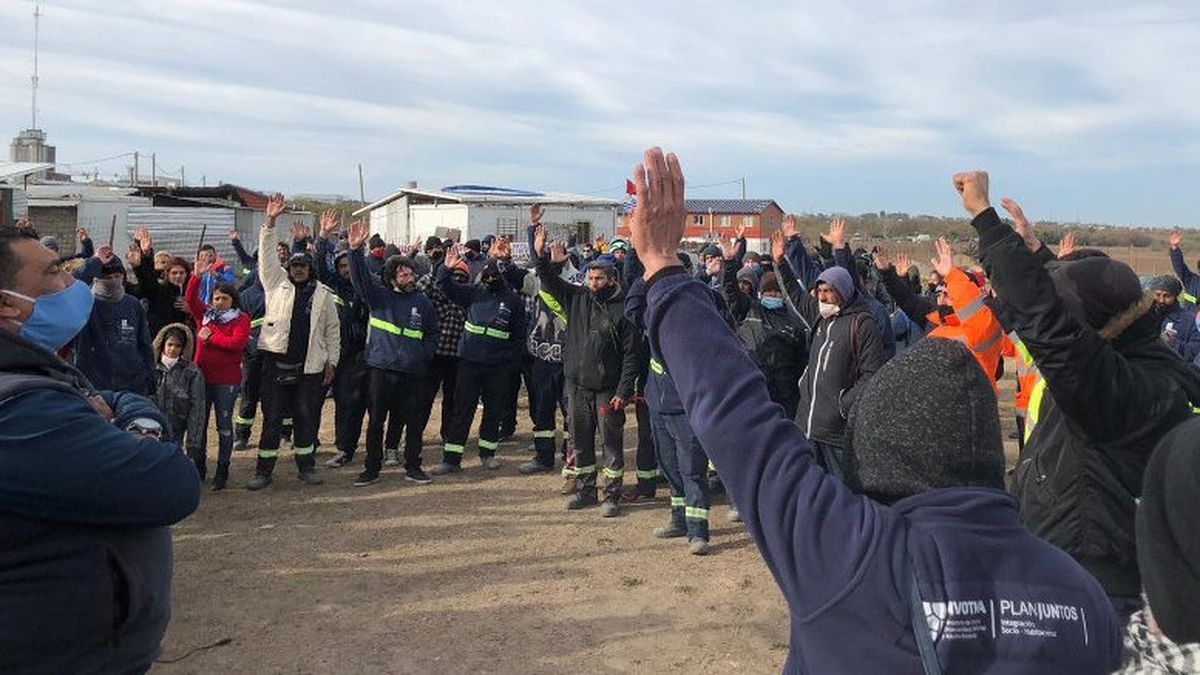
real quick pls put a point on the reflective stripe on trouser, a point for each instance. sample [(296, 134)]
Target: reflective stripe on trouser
[(548, 399), (304, 400), (477, 382), (683, 462), (591, 414)]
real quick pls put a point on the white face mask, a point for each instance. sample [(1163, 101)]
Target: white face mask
[(827, 310), (169, 361)]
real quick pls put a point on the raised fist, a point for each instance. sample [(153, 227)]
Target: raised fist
[(973, 187)]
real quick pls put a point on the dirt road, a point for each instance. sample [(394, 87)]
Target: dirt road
[(482, 572)]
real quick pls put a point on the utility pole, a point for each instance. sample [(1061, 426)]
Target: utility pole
[(743, 187), (203, 180), (37, 18), (183, 176), (137, 173), (362, 192), (154, 169)]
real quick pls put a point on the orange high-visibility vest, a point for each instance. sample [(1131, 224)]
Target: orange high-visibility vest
[(972, 323)]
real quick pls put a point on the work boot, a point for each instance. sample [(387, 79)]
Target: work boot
[(533, 466), (490, 462), (609, 508), (582, 500), (569, 487), (698, 546), (259, 481), (221, 478), (671, 531), (391, 457), (310, 477), (444, 468)]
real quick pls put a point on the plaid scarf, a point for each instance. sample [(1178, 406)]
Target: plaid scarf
[(1148, 652), (451, 317)]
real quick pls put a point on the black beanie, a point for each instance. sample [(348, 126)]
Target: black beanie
[(472, 245), (1095, 289), (113, 266), (1168, 533), (926, 420), (432, 243)]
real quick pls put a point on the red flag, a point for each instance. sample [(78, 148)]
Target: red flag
[(630, 188)]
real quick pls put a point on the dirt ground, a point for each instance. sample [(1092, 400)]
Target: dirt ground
[(480, 572)]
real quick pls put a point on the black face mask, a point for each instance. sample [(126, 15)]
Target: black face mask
[(604, 293), (437, 254)]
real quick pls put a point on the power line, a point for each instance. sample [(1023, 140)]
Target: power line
[(98, 161)]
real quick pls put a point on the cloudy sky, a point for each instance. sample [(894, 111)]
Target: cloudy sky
[(1088, 110)]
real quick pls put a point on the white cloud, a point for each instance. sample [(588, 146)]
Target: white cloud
[(294, 94)]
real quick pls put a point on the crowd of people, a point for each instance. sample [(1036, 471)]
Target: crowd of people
[(848, 407)]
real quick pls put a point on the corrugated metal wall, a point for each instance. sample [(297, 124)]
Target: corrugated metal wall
[(177, 229)]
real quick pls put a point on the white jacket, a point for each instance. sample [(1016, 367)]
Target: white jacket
[(324, 336)]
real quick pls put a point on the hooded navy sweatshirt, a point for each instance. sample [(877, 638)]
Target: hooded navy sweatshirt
[(996, 599)]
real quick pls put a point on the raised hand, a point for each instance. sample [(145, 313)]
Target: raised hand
[(360, 232), (972, 186), (233, 234), (1067, 245), (539, 238), (1021, 224), (298, 230), (944, 262), (275, 208), (558, 252), (657, 222), (23, 223), (142, 237), (779, 243), (730, 248), (331, 222), (739, 231), (82, 233), (535, 214), (134, 256), (789, 226), (879, 255), (837, 233), (104, 254), (201, 265), (1176, 238), (501, 248), (600, 244), (903, 262), (452, 255)]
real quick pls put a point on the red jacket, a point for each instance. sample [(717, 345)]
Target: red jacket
[(219, 356)]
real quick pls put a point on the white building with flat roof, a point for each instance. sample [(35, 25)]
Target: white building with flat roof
[(465, 212)]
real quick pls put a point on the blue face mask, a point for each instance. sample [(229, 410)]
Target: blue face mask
[(57, 317), (771, 303)]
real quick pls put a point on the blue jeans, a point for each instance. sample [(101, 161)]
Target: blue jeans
[(683, 461), (222, 397)]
